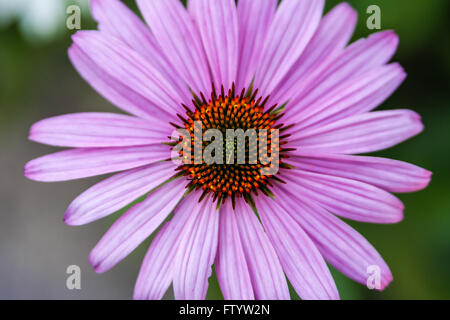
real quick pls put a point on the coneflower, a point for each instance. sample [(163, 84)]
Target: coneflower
[(256, 66)]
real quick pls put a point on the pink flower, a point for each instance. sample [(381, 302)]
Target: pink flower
[(290, 54)]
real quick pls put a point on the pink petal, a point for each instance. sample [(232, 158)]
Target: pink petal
[(118, 20), (252, 34), (217, 23), (347, 198), (301, 260), (361, 133), (117, 61), (136, 225), (231, 267), (266, 273), (359, 95), (387, 174), (292, 28), (360, 57), (343, 247), (330, 39), (83, 163), (87, 130), (157, 269), (197, 252), (116, 92), (179, 40), (114, 193)]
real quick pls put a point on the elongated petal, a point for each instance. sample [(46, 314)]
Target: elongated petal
[(361, 133), (301, 260), (87, 130), (179, 40), (124, 64), (83, 163), (118, 20), (116, 192), (116, 92), (220, 37), (231, 266), (157, 269), (330, 39), (266, 273), (197, 253), (387, 174), (292, 28), (358, 58), (136, 225), (347, 198), (252, 34), (362, 94), (343, 247)]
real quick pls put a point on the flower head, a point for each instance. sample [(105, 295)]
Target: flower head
[(260, 208)]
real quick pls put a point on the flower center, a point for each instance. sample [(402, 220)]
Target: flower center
[(230, 145)]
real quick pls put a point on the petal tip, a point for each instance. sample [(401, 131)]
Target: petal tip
[(389, 35), (428, 176), (34, 133), (399, 69), (30, 173), (386, 281), (77, 35), (25, 171), (349, 10), (96, 265), (398, 218), (70, 218)]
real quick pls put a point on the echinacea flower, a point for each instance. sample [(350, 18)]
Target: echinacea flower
[(256, 64)]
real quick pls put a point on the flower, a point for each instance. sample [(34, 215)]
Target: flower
[(222, 66)]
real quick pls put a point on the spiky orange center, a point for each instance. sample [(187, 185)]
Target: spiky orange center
[(231, 111)]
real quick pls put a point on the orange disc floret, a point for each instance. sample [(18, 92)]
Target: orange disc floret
[(231, 178)]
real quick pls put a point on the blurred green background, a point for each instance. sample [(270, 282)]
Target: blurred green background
[(37, 81)]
